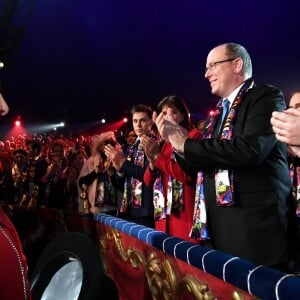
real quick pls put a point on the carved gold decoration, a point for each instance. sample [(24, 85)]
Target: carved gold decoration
[(103, 244), (115, 235), (236, 295), (161, 276), (198, 290)]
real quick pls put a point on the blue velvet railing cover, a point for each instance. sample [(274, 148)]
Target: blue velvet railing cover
[(261, 281)]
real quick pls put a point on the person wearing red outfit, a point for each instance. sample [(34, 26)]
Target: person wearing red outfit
[(14, 282), (173, 189)]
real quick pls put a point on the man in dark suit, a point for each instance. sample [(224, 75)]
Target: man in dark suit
[(243, 168), (137, 202)]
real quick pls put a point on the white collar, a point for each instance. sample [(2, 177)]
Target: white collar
[(233, 94)]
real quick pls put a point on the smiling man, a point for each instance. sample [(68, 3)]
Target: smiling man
[(242, 168)]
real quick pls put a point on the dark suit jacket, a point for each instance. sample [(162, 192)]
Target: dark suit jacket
[(255, 227), (145, 214)]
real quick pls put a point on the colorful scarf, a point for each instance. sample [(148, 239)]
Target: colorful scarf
[(295, 181), (223, 178), (104, 191), (133, 187), (163, 206)]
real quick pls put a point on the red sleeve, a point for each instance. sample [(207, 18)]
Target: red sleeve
[(12, 279), (167, 164), (13, 275)]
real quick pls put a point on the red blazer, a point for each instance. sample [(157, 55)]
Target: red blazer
[(14, 282), (180, 224)]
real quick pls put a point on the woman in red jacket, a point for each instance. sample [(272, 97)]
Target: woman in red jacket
[(173, 189)]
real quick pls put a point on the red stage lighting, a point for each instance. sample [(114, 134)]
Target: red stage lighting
[(125, 120), (18, 123), (211, 113)]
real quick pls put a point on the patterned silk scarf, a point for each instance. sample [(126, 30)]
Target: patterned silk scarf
[(133, 187), (174, 200), (295, 181), (223, 178), (104, 191)]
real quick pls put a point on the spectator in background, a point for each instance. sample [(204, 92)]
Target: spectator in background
[(37, 168), (93, 177), (75, 163), (130, 138), (55, 177), (20, 177), (6, 182)]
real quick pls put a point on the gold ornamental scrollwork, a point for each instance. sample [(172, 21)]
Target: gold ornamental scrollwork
[(190, 284), (116, 236), (103, 244), (236, 295), (161, 276)]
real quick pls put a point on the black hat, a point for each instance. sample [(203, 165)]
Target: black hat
[(70, 267)]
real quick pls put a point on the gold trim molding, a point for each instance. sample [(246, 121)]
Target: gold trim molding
[(163, 280)]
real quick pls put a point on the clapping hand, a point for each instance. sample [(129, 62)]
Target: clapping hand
[(115, 155), (171, 132), (151, 148), (286, 126)]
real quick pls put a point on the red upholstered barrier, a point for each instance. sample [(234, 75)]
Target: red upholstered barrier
[(149, 264), (141, 271)]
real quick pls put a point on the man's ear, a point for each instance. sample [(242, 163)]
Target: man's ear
[(238, 65)]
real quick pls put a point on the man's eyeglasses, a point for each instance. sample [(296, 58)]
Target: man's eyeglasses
[(213, 66)]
